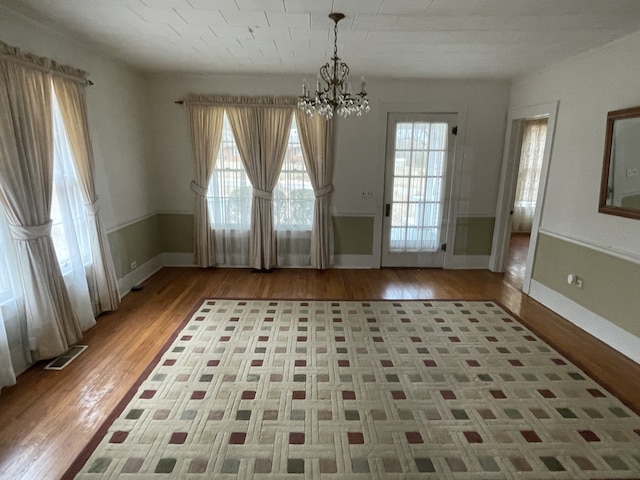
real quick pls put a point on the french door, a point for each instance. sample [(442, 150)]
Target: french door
[(417, 184)]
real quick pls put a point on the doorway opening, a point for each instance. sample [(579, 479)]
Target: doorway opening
[(534, 134), (516, 147)]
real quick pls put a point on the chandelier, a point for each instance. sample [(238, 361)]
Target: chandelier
[(333, 90)]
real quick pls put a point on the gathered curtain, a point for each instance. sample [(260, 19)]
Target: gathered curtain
[(261, 127), (71, 97), (26, 162), (533, 142), (315, 140), (261, 135), (205, 126), (56, 271)]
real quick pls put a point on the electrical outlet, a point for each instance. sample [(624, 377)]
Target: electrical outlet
[(578, 282), (366, 194), (134, 265)]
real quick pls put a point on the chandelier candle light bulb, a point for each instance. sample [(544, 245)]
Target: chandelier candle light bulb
[(333, 89)]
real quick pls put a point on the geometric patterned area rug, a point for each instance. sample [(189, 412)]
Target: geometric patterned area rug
[(363, 390)]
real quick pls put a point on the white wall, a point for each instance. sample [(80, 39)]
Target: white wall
[(117, 116), (360, 141), (587, 87)]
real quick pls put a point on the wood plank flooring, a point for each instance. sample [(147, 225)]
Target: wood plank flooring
[(48, 417)]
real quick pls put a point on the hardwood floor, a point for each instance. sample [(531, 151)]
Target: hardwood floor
[(48, 417)]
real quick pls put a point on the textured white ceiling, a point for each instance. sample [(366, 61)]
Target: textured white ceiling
[(383, 38)]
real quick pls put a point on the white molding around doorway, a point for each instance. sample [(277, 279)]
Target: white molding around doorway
[(508, 179)]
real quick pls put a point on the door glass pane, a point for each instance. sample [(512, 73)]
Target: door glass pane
[(416, 191), (438, 139), (400, 189), (418, 186), (401, 164), (436, 164), (404, 136)]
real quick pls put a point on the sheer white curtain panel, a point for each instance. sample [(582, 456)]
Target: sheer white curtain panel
[(70, 232), (229, 198), (535, 133), (293, 201), (14, 348)]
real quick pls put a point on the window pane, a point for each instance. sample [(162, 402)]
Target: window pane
[(6, 293), (418, 186), (438, 140), (436, 164), (400, 189), (293, 196), (421, 136), (416, 192), (402, 164), (69, 231), (230, 193), (403, 136)]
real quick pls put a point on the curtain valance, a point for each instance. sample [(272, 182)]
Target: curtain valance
[(14, 54), (233, 101)]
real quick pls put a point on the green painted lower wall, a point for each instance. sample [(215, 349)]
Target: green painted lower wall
[(610, 284), (474, 235), (176, 232), (173, 233), (353, 235), (145, 239)]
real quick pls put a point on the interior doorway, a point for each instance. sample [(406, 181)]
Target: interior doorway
[(534, 133), (522, 186)]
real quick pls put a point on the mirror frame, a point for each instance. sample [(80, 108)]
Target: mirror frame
[(603, 207)]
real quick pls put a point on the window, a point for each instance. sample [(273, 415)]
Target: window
[(6, 290), (230, 195), (418, 186), (293, 196), (67, 207), (230, 192)]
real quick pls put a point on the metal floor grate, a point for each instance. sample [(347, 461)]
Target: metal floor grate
[(66, 358)]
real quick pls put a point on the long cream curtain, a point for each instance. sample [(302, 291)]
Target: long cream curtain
[(261, 135), (315, 140), (101, 277), (26, 163), (535, 133), (205, 126)]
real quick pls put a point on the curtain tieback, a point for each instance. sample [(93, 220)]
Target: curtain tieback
[(92, 208), (321, 192), (30, 232), (199, 189), (262, 194)]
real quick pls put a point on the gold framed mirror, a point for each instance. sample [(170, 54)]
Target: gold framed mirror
[(620, 183)]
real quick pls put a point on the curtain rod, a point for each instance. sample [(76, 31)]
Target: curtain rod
[(238, 101), (258, 105)]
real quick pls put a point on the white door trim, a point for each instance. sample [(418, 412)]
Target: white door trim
[(508, 180)]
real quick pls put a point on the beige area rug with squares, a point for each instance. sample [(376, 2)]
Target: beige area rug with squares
[(363, 390)]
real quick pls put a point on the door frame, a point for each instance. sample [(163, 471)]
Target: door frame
[(451, 186), (508, 181)]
